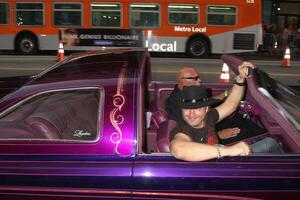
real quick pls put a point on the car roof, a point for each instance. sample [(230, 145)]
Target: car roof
[(100, 65), (103, 69)]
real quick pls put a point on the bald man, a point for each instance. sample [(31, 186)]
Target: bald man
[(229, 130)]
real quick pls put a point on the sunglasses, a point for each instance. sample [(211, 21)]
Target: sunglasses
[(195, 78)]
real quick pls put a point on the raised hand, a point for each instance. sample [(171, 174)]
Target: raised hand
[(243, 69)]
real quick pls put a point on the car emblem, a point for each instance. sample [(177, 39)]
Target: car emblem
[(80, 133)]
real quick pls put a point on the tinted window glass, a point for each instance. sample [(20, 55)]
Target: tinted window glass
[(144, 15), (29, 6), (221, 15), (106, 14), (67, 14), (29, 14), (183, 14), (286, 99), (4, 13), (56, 115), (67, 6)]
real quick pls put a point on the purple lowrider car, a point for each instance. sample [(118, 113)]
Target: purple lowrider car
[(94, 127)]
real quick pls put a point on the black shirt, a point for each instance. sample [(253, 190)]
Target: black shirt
[(205, 135)]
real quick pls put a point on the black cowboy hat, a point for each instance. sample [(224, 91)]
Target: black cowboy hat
[(192, 97)]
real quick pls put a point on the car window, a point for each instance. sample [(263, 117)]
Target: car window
[(284, 97), (56, 115)]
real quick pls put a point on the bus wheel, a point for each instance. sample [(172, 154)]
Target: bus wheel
[(27, 45), (197, 47)]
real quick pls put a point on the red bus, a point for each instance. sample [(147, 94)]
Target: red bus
[(191, 26)]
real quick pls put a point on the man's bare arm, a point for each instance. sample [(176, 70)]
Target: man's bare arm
[(236, 93), (228, 133), (231, 103), (183, 148)]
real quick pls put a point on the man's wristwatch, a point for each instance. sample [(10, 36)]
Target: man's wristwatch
[(239, 84)]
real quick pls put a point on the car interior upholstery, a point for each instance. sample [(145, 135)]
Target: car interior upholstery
[(71, 116), (157, 135)]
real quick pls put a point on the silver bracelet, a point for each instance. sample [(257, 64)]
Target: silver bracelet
[(219, 155)]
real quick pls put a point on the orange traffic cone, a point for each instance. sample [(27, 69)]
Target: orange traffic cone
[(286, 59), (224, 78), (60, 52)]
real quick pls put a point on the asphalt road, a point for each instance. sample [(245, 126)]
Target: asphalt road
[(163, 69)]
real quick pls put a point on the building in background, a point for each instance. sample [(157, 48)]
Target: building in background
[(281, 22)]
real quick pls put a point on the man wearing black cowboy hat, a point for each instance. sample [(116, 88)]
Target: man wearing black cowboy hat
[(196, 140), (230, 130)]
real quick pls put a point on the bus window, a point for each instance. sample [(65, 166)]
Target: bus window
[(4, 13), (29, 14), (221, 15), (183, 14), (144, 15), (67, 14), (106, 14)]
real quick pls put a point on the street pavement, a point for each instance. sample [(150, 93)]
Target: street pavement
[(164, 68)]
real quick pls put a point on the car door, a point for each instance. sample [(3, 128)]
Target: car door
[(55, 144), (64, 177), (161, 176)]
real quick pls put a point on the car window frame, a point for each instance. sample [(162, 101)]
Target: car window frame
[(99, 117)]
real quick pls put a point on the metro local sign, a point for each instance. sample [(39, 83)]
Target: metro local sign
[(190, 29), (161, 47), (171, 46)]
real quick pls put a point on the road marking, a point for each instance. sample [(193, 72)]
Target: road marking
[(214, 72), (175, 72), (153, 71), (29, 58), (274, 63), (21, 69)]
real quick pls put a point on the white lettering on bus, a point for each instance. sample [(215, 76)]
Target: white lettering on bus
[(163, 47), (121, 37), (93, 37), (182, 29), (109, 37), (188, 29)]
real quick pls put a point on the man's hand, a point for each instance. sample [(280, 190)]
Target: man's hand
[(243, 71), (228, 133), (236, 92), (239, 149)]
